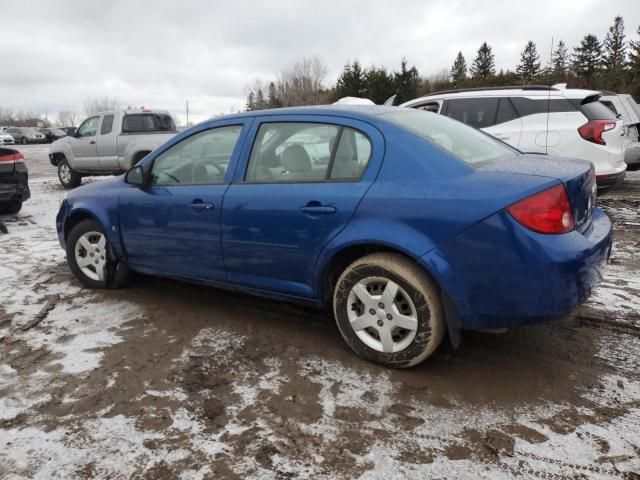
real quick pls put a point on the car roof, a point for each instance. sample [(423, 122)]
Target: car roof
[(362, 112), (529, 91)]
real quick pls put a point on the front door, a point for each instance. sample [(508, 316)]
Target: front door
[(298, 189), (83, 145), (172, 226)]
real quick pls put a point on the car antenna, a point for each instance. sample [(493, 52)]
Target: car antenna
[(546, 143)]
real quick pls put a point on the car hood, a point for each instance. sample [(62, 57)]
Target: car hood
[(563, 169)]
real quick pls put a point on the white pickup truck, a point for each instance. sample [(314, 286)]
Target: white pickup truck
[(110, 143)]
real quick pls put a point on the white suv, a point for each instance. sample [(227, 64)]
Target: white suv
[(627, 110), (538, 119)]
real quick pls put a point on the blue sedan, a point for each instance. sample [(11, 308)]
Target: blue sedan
[(407, 224)]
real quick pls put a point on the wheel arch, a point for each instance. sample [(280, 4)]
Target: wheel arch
[(79, 216), (343, 257)]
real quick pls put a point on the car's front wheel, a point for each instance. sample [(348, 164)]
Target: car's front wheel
[(90, 256), (68, 177), (389, 310)]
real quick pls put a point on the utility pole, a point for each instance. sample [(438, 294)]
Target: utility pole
[(187, 113)]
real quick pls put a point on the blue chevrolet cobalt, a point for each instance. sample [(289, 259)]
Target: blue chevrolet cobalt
[(406, 224)]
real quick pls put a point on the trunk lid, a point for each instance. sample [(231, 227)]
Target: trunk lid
[(578, 177)]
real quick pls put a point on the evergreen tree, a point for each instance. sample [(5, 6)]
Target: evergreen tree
[(529, 66), (251, 103), (587, 58), (406, 82), (560, 63), (351, 82), (634, 65), (458, 70), (614, 57), (273, 100), (260, 103), (483, 65), (379, 84)]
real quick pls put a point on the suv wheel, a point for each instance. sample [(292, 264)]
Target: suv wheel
[(68, 177), (389, 310), (91, 258), (24, 140)]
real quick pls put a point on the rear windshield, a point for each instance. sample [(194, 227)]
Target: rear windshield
[(147, 122), (597, 111), (468, 144)]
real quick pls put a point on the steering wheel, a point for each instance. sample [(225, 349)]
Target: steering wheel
[(199, 171)]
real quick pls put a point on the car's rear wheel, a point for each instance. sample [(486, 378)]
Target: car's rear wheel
[(389, 310), (11, 207), (90, 256), (68, 177)]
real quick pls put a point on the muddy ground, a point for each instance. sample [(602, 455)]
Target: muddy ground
[(168, 380)]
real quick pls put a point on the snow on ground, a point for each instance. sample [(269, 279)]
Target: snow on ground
[(168, 381)]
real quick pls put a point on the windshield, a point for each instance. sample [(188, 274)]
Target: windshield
[(468, 144), (29, 131)]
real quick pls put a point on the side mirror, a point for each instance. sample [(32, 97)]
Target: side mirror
[(135, 176)]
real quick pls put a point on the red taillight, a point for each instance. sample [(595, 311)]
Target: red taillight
[(546, 212), (593, 129), (12, 158)]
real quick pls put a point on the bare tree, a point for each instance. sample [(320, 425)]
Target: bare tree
[(102, 104), (67, 118), (302, 83)]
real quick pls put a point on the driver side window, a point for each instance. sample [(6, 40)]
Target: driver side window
[(200, 159), (89, 127)]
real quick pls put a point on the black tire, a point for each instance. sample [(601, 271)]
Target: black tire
[(11, 207), (110, 279), (68, 177), (24, 140), (421, 290)]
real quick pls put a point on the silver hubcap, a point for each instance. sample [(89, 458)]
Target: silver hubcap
[(65, 173), (382, 314), (91, 255)]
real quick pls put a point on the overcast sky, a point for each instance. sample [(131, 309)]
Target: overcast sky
[(54, 55)]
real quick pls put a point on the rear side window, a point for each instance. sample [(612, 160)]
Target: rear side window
[(107, 125), (307, 152), (147, 122), (528, 106), (597, 111), (475, 112), (506, 111)]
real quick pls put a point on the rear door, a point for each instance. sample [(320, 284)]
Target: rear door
[(106, 143), (297, 187)]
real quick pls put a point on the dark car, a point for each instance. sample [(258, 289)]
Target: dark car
[(69, 131), (14, 181), (416, 225), (26, 135), (53, 134)]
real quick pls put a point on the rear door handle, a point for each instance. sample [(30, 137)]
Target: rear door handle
[(200, 206), (315, 208), (501, 136)]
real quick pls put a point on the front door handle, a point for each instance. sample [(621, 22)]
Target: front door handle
[(501, 136), (200, 206), (316, 208), (92, 142)]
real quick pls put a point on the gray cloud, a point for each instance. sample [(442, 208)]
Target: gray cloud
[(158, 54)]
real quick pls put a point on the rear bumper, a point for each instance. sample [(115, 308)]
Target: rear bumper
[(499, 274), (610, 180), (14, 191)]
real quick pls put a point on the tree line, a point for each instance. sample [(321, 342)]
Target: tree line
[(613, 64)]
